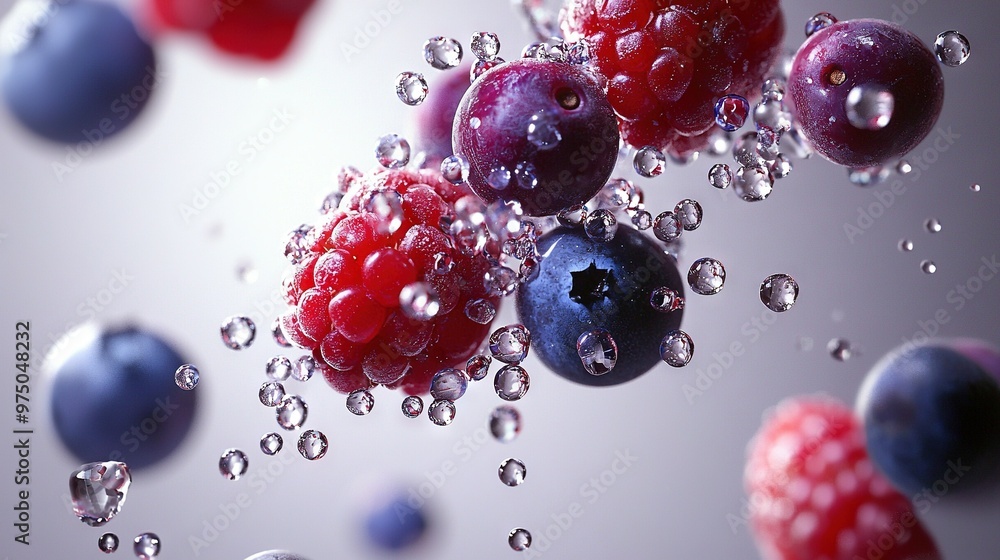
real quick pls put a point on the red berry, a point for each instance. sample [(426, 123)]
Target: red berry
[(355, 315), (815, 494), (384, 274)]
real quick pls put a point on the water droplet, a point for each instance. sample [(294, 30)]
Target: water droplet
[(297, 243), (642, 220), (392, 151), (278, 368), (443, 52), (526, 175), (238, 332), (107, 543), (720, 176), (840, 349), (731, 112), (277, 335), (480, 311), (478, 367), (455, 169), (247, 273), (689, 213), (511, 383), (719, 142), (706, 276), (928, 267), (818, 22), (146, 546), (543, 131), (449, 384), (772, 115), (952, 48), (233, 464), (649, 162), (753, 184), (442, 412), (499, 178), (773, 88), (778, 292), (667, 226), (387, 206), (304, 369), (510, 344), (781, 167), (905, 245), (573, 216), (482, 66), (313, 444), (500, 281), (291, 412), (475, 123), (412, 406), (975, 187), (903, 167), (411, 88), (98, 491), (512, 472), (867, 176), (443, 263), (186, 377), (485, 45), (665, 300), (869, 107), (601, 225), (598, 351), (677, 348), (271, 393), (419, 301), (529, 269), (505, 423), (932, 225), (578, 53), (360, 402), (745, 150), (271, 443), (519, 539)]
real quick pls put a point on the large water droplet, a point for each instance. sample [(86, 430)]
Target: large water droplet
[(271, 443), (419, 301), (291, 412), (543, 131), (505, 423), (511, 383), (519, 539), (601, 225), (839, 349), (932, 225), (818, 22), (598, 351), (731, 112), (360, 402), (512, 472), (449, 384), (905, 245), (146, 546), (455, 169), (480, 311), (720, 176), (304, 369), (499, 178), (392, 151), (690, 213), (485, 45), (233, 464), (387, 206), (271, 393), (666, 300), (442, 412), (667, 226), (952, 48), (107, 543), (869, 107), (238, 332), (98, 491), (313, 444), (411, 88), (443, 52), (649, 162), (412, 406), (278, 368), (778, 292), (706, 276), (510, 344), (500, 281), (753, 184), (186, 377), (677, 348), (478, 367)]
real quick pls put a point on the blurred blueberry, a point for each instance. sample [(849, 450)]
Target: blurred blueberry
[(393, 524)]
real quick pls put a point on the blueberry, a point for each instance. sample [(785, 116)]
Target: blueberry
[(84, 75), (585, 285), (931, 413), (394, 524), (114, 397), (541, 133)]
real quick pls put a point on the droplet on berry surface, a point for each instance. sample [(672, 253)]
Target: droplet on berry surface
[(278, 368), (543, 132), (98, 491), (233, 464), (690, 213), (512, 472), (392, 151), (753, 184), (455, 169), (952, 48), (779, 292), (665, 300), (677, 348), (313, 444), (905, 245), (932, 225), (360, 402), (271, 443), (387, 206), (441, 412), (449, 384), (840, 349), (277, 335), (271, 393), (480, 311), (731, 112), (928, 267), (667, 226), (511, 383), (601, 225), (146, 546), (419, 301), (297, 244), (411, 88), (412, 406), (519, 539), (500, 281), (478, 367), (238, 332), (186, 377), (485, 45), (499, 178), (649, 162), (706, 276), (720, 176), (510, 344), (642, 220), (291, 412), (869, 107), (481, 66), (526, 175), (819, 22), (304, 368), (443, 53), (598, 351), (505, 423), (107, 543)]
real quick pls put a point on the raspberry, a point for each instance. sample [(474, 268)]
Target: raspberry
[(814, 493), (667, 63), (344, 289)]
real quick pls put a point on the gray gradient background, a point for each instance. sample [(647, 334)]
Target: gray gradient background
[(62, 241)]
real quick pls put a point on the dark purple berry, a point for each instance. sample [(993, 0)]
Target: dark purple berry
[(436, 115)]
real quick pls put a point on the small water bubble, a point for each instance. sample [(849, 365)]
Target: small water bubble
[(449, 384), (271, 393), (869, 107), (952, 48), (387, 206), (313, 444), (277, 335), (297, 244), (392, 151), (442, 412), (818, 22), (186, 377), (510, 344), (480, 311), (745, 150), (499, 178), (500, 281), (666, 300), (233, 464), (529, 269), (753, 184), (238, 332), (443, 53), (731, 112), (649, 162), (690, 213), (932, 225), (720, 176), (617, 194), (578, 53), (519, 539), (573, 216), (455, 169), (706, 276), (975, 187), (247, 273), (146, 546), (411, 88), (928, 266), (677, 348), (905, 245), (598, 351), (512, 472), (773, 115), (903, 167), (485, 45), (478, 367), (360, 402), (601, 225), (475, 123), (291, 412), (781, 167), (98, 491), (526, 175), (413, 406), (778, 292), (419, 300), (867, 176), (482, 66), (443, 263), (642, 220), (773, 88), (543, 131), (271, 443), (667, 226), (720, 142), (511, 382), (107, 543), (505, 423), (839, 349)]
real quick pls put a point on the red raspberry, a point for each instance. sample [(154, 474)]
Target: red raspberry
[(345, 289), (667, 63), (814, 494)]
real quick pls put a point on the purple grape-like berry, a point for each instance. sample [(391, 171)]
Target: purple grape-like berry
[(436, 115), (894, 74), (585, 285), (538, 132)]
